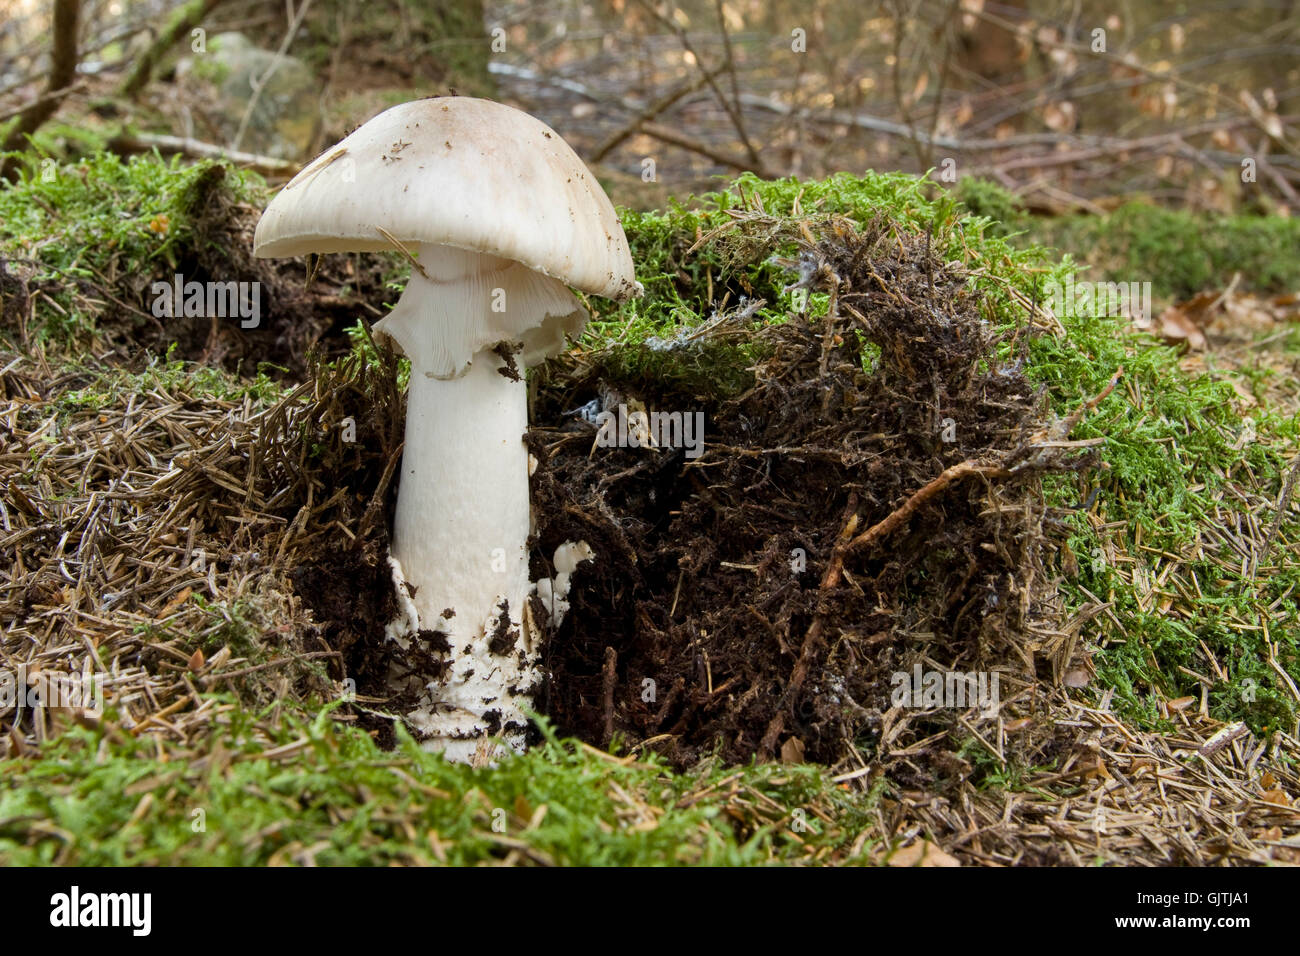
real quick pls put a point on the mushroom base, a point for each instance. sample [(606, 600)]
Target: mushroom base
[(466, 718)]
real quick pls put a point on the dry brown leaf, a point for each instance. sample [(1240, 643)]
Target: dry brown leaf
[(1093, 766), (1177, 326), (175, 602), (918, 90), (922, 853)]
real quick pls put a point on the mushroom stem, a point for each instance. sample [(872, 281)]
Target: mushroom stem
[(461, 530), (460, 536)]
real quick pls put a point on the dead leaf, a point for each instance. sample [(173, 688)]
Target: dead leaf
[(1092, 766), (1176, 326), (922, 853), (175, 602), (1267, 119), (919, 88), (196, 661), (792, 750)]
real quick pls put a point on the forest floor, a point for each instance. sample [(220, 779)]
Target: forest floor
[(913, 463)]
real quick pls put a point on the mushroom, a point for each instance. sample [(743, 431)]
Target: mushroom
[(499, 217)]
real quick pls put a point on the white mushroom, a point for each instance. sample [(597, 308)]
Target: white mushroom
[(500, 217)]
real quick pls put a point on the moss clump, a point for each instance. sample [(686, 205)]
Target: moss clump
[(693, 273), (111, 222), (984, 198), (1182, 253), (1177, 467)]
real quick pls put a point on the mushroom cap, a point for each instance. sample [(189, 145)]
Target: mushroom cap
[(462, 172)]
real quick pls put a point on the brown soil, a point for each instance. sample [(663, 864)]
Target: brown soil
[(729, 580)]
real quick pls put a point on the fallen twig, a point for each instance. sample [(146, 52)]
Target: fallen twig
[(128, 143), (608, 674), (52, 96), (949, 475), (656, 108), (830, 578), (674, 138)]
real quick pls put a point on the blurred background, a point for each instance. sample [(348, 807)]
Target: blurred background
[(1070, 106)]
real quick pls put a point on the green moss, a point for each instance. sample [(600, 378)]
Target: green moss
[(984, 198), (104, 217), (1175, 476), (688, 272), (335, 798), (1180, 252), (108, 386), (58, 143)]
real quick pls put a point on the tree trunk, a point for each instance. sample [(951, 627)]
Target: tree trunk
[(63, 70)]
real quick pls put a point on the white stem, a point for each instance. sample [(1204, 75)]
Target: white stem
[(460, 536), (461, 530), (463, 497)]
